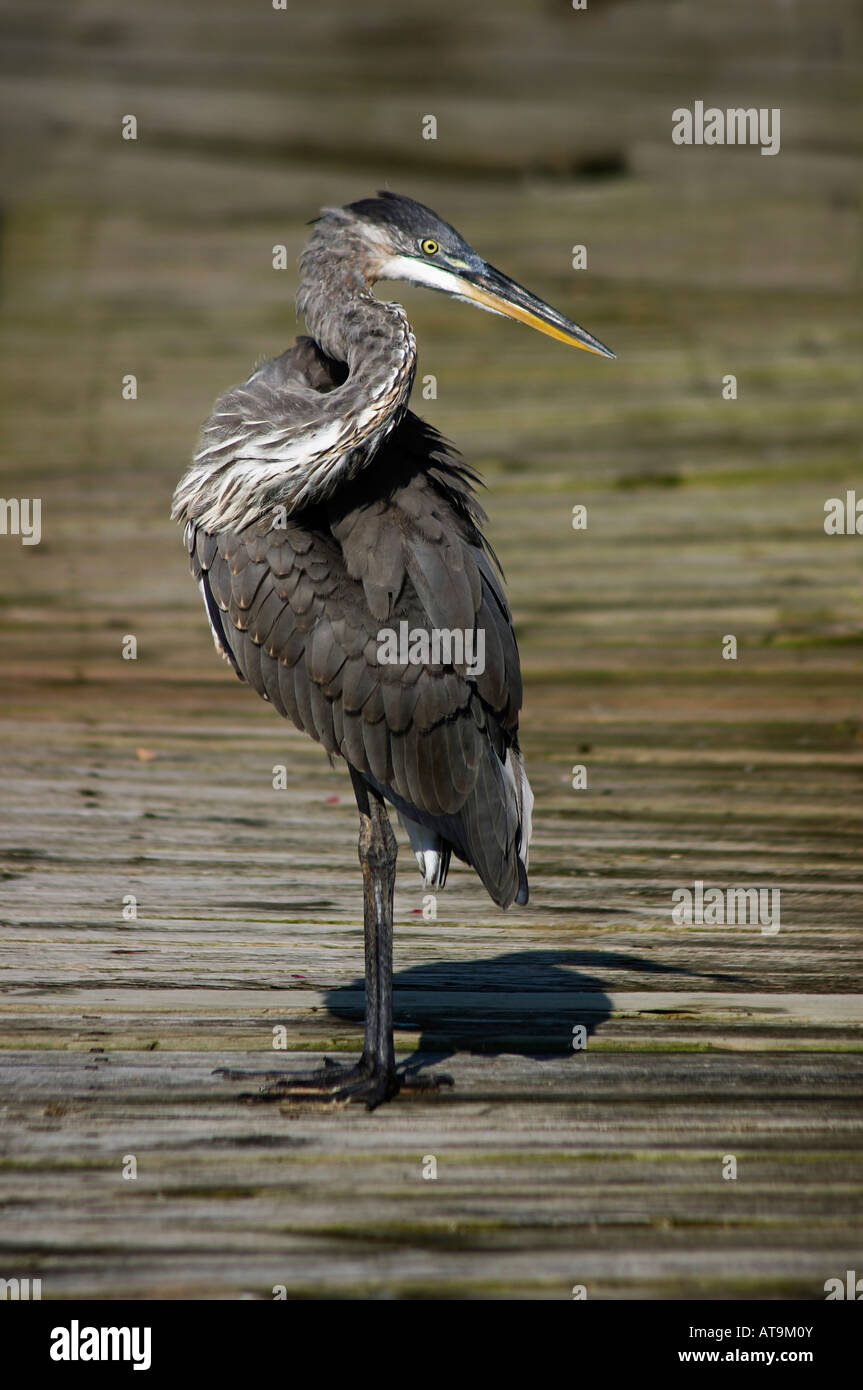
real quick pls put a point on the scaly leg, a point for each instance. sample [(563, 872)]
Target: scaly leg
[(373, 1079)]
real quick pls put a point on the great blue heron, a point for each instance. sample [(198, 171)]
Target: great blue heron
[(323, 517)]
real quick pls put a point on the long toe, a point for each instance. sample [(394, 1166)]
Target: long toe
[(336, 1082), (320, 1084), (357, 1084)]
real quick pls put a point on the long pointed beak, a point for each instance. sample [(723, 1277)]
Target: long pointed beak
[(493, 290)]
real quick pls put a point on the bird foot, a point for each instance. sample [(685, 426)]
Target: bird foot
[(332, 1084), (336, 1082)]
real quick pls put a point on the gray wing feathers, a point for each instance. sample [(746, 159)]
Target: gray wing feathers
[(298, 611)]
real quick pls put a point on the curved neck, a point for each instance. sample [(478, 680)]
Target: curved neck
[(279, 440), (335, 297), (372, 338)]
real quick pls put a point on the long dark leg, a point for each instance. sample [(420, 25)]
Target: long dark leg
[(373, 1079), (377, 853)]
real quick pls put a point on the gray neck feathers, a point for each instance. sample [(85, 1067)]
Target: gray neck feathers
[(276, 444)]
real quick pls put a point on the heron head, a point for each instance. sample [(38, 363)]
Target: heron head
[(407, 241)]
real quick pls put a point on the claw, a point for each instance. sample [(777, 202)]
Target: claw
[(335, 1083)]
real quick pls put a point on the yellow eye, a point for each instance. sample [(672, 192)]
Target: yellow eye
[(429, 247)]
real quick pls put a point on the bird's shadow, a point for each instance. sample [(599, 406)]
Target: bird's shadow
[(535, 1004)]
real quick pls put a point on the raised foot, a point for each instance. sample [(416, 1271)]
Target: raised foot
[(336, 1082)]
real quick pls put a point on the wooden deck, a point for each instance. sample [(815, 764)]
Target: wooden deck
[(153, 778)]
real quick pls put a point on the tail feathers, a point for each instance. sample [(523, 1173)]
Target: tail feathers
[(517, 776), (491, 831), (432, 853), (495, 826)]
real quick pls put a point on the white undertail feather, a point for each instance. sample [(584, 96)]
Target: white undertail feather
[(430, 851)]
